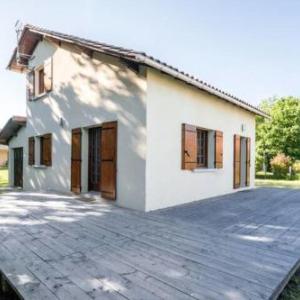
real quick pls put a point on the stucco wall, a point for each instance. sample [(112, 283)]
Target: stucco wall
[(169, 104), (87, 92)]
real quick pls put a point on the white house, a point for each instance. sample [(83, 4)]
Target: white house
[(125, 125)]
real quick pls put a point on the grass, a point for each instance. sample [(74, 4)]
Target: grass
[(3, 177), (267, 180), (292, 290), (294, 184)]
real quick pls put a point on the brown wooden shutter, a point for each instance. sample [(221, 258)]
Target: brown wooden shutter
[(48, 75), (109, 160), (189, 147), (30, 85), (237, 162), (218, 149), (248, 161), (31, 145), (47, 150), (76, 161)]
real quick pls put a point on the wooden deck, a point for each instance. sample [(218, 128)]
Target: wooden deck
[(241, 246)]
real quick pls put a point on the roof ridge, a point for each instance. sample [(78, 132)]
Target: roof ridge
[(90, 41)]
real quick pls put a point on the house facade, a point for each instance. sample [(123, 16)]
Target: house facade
[(118, 123)]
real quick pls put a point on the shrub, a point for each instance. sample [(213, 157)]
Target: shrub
[(280, 165), (296, 166)]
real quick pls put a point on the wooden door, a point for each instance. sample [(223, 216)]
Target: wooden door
[(76, 161), (109, 160), (18, 167), (237, 162), (248, 160), (94, 159)]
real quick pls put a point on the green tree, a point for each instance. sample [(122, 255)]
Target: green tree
[(280, 133)]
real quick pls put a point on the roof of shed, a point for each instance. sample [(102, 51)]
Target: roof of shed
[(31, 35), (10, 129)]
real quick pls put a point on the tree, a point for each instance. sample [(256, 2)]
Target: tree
[(280, 133)]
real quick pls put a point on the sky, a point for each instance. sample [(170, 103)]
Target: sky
[(250, 48)]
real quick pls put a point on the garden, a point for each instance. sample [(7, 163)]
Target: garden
[(278, 144)]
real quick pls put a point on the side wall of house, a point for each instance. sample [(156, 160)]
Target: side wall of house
[(169, 104), (87, 92)]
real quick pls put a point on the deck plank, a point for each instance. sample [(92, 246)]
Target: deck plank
[(240, 246)]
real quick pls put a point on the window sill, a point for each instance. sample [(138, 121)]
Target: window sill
[(205, 170), (39, 166), (40, 96)]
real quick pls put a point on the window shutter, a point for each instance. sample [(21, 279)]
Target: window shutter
[(237, 161), (218, 149), (108, 168), (48, 75), (31, 145), (248, 161), (189, 147), (76, 161), (47, 149), (30, 85)]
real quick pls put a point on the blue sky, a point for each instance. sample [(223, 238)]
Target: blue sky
[(248, 48)]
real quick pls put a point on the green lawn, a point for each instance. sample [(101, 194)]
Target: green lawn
[(294, 184), (267, 180), (3, 177)]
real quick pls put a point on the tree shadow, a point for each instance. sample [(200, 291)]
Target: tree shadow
[(96, 91)]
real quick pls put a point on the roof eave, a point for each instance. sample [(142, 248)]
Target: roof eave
[(11, 127), (13, 65)]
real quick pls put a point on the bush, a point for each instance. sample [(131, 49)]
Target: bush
[(280, 165), (296, 166)]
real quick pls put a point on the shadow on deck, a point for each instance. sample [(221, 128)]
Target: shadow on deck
[(239, 246)]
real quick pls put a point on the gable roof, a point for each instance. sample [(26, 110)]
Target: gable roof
[(11, 128), (31, 35)]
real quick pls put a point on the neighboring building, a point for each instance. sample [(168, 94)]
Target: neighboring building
[(115, 121), (3, 155)]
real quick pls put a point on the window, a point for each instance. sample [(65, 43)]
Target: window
[(46, 150), (41, 86), (40, 80), (202, 147)]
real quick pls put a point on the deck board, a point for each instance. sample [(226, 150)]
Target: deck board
[(240, 246)]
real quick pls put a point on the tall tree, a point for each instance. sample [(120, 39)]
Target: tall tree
[(280, 133)]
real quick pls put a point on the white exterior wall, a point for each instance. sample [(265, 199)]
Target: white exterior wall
[(150, 110), (87, 92), (169, 104)]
